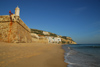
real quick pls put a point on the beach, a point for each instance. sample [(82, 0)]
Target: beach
[(31, 55)]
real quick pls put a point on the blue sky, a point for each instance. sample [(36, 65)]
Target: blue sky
[(78, 19)]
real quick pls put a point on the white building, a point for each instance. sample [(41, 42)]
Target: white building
[(57, 40), (54, 39), (46, 33), (50, 39)]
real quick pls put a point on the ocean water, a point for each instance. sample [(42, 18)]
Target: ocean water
[(82, 55)]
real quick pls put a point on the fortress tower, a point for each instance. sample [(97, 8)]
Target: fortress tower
[(17, 11), (13, 29)]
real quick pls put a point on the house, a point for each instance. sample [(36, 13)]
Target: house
[(57, 40), (53, 39), (46, 33)]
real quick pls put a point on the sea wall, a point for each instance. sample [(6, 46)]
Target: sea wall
[(15, 31)]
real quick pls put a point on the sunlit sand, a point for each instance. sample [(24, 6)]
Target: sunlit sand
[(31, 55)]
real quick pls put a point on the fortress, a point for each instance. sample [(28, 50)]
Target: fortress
[(13, 29)]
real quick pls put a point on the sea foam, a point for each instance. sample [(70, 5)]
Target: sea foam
[(82, 55)]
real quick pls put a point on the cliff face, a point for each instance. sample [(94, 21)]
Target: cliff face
[(41, 37)]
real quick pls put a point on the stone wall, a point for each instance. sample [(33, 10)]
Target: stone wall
[(17, 31)]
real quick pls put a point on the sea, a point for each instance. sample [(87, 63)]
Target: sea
[(82, 55)]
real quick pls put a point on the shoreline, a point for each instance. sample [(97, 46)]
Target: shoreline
[(31, 55)]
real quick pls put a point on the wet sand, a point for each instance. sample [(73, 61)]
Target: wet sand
[(31, 55)]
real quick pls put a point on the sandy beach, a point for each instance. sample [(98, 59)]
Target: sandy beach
[(31, 55)]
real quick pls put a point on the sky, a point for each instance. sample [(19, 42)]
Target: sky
[(78, 19)]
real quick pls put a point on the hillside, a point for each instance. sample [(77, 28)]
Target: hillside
[(65, 39), (40, 32)]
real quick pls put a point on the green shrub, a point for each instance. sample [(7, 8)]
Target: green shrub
[(52, 34), (64, 37), (41, 32), (68, 42), (63, 42)]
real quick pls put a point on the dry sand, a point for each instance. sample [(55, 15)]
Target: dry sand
[(31, 55)]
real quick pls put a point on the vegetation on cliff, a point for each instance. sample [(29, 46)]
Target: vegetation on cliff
[(40, 32), (65, 39)]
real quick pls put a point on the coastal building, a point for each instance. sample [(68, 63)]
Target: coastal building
[(54, 39), (57, 40), (13, 29), (46, 33), (50, 39)]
